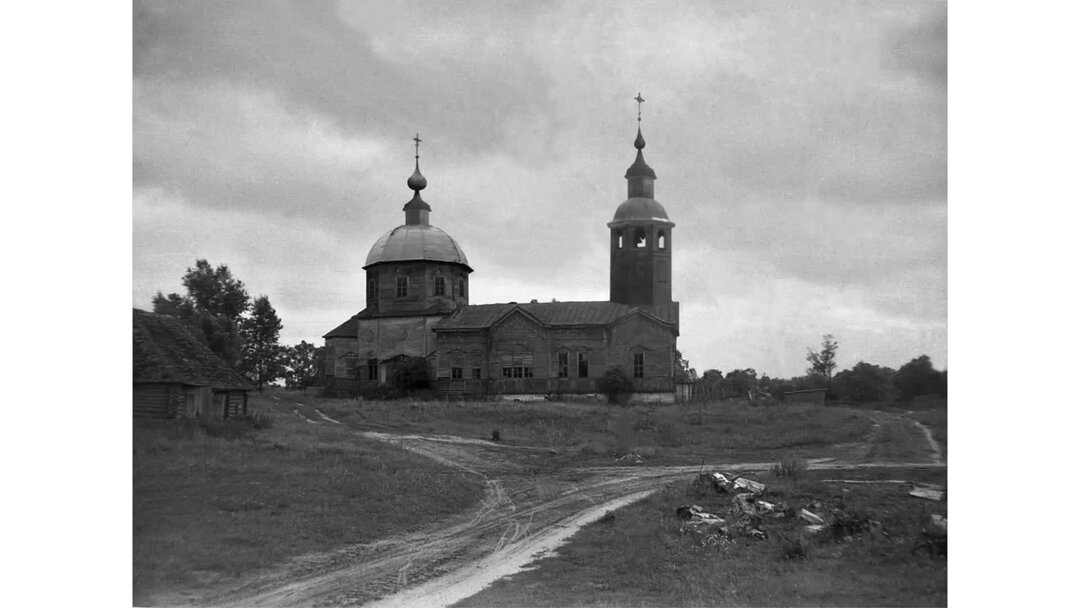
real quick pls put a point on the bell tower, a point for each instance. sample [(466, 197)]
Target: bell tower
[(641, 242)]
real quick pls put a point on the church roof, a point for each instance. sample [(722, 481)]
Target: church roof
[(345, 330), (638, 209), (554, 314), (166, 349), (418, 242)]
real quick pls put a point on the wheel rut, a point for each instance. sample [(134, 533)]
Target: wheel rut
[(521, 514)]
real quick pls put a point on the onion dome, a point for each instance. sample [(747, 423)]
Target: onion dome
[(640, 168), (417, 181)]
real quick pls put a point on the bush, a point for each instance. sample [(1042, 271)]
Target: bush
[(616, 385), (790, 467), (412, 374)]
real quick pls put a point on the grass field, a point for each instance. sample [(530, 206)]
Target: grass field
[(639, 557), (595, 433), (208, 510)]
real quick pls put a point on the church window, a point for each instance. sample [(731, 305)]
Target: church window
[(371, 289), (476, 373), (351, 361), (564, 364), (402, 286), (455, 373), (461, 288), (618, 238), (661, 240), (372, 369), (440, 286), (639, 365), (639, 238), (517, 365), (583, 365)]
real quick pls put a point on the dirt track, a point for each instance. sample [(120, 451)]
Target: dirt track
[(521, 514)]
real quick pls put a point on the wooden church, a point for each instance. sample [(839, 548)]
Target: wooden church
[(418, 306)]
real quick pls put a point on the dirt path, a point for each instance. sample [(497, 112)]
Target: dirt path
[(521, 514), (934, 447)]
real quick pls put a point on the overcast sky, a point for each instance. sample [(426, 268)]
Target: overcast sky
[(800, 148)]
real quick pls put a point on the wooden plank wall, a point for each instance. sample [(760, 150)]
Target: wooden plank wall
[(156, 400)]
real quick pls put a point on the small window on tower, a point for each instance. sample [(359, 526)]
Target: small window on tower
[(618, 238), (639, 238), (440, 286), (461, 288), (371, 289), (402, 286), (661, 240)]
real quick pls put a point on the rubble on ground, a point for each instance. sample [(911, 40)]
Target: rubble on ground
[(927, 491), (630, 457), (748, 510)]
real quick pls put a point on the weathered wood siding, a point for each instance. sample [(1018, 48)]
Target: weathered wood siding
[(156, 400), (519, 340), (420, 295)]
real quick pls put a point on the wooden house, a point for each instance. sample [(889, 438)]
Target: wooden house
[(176, 374)]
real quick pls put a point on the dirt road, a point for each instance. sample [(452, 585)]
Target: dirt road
[(522, 514)]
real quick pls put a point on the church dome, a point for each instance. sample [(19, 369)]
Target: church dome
[(416, 242), (640, 209)]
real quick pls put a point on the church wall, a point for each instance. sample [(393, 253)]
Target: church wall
[(339, 363), (657, 343), (520, 342), (420, 295)]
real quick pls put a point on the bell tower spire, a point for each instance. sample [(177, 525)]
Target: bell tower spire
[(416, 210), (641, 241)]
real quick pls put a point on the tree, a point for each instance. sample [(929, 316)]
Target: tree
[(683, 371), (216, 291), (863, 383), (214, 304), (823, 362), (741, 381), (411, 374), (260, 354), (616, 385), (918, 377), (302, 364)]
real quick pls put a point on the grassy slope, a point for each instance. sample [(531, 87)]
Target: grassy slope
[(208, 510), (591, 434), (937, 420), (639, 557)]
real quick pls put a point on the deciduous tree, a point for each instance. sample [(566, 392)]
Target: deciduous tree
[(918, 377), (260, 352), (302, 364), (823, 362), (683, 371)]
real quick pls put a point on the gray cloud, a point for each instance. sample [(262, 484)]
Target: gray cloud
[(801, 150)]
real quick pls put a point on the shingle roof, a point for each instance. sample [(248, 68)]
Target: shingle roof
[(345, 330), (167, 350), (549, 313)]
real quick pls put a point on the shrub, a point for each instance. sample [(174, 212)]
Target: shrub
[(795, 548), (790, 467), (411, 374), (495, 435), (616, 385)]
